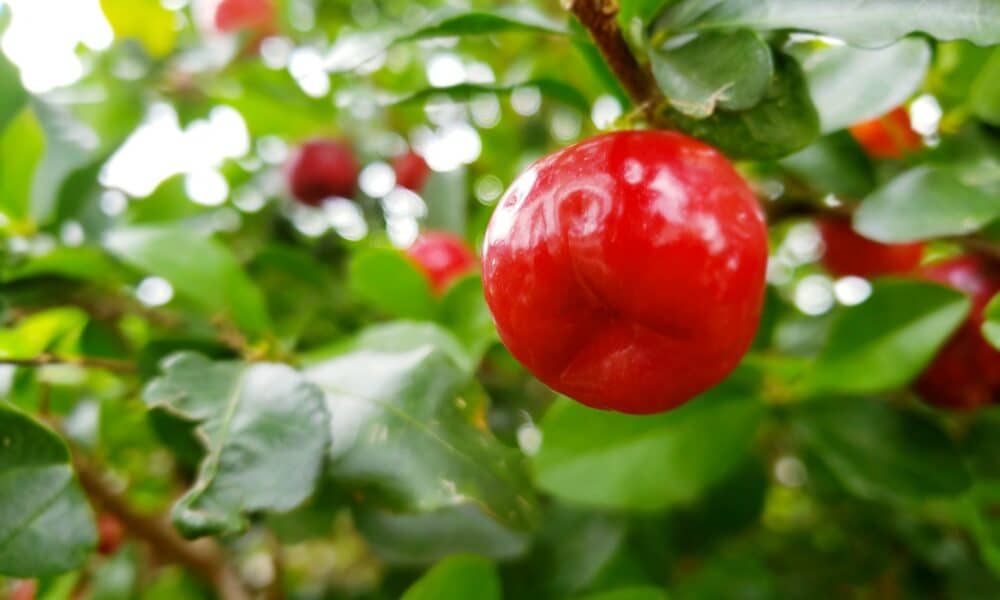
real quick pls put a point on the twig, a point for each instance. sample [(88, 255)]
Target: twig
[(203, 557), (599, 17), (97, 362)]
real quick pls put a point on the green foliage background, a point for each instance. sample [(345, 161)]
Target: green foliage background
[(304, 399)]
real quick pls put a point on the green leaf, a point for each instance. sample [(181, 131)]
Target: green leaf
[(549, 88), (700, 72), (265, 433), (401, 538), (872, 23), (13, 96), (69, 147), (447, 198), (458, 577), (21, 146), (351, 51), (927, 202), (881, 453), (464, 312), (607, 459), (56, 329), (783, 122), (200, 268), (45, 521), (849, 85), (391, 282), (403, 429), (991, 327), (884, 342), (147, 21), (80, 262), (984, 96), (642, 592), (834, 164)]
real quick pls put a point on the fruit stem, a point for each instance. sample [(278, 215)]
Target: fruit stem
[(599, 17)]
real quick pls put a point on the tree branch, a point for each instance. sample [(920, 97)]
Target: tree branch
[(203, 557), (599, 17), (97, 362)]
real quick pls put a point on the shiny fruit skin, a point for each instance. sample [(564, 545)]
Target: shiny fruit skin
[(234, 15), (443, 257), (411, 171), (322, 168), (889, 136), (627, 271), (110, 533), (965, 374), (848, 253)]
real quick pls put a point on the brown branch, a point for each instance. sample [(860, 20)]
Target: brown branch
[(202, 557), (599, 17), (97, 362)]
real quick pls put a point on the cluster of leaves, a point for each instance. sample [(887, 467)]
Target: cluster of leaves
[(312, 394)]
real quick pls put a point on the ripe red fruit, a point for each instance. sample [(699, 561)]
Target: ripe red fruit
[(411, 170), (322, 168), (848, 253), (110, 533), (443, 257), (233, 15), (24, 589), (889, 136), (965, 374), (627, 271)]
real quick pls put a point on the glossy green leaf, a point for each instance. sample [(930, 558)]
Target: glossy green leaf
[(700, 72), (403, 429), (884, 342), (46, 525), (402, 538), (549, 88), (834, 164), (22, 144), (984, 96), (464, 312), (849, 85), (783, 122), (198, 267), (927, 202), (69, 146), (458, 577), (872, 23), (607, 459), (991, 327), (12, 94), (265, 433), (391, 282), (351, 51), (881, 453)]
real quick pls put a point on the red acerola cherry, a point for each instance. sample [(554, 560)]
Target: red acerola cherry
[(24, 589), (627, 271), (443, 257), (322, 168), (848, 253), (889, 136), (411, 170), (234, 15), (110, 533), (965, 374)]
